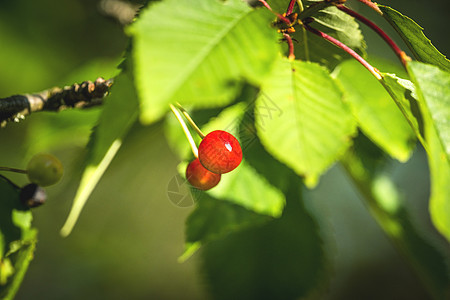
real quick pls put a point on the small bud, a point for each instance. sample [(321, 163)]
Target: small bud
[(32, 195)]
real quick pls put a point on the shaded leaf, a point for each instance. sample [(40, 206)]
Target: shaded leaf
[(198, 52), (377, 115), (281, 259), (340, 25), (15, 218), (335, 23), (17, 239), (214, 219), (386, 204), (119, 113), (315, 126), (417, 42), (22, 259)]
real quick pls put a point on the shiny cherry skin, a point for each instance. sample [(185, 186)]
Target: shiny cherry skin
[(199, 177), (220, 152)]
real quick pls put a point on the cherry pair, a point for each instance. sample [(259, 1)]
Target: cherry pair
[(219, 152)]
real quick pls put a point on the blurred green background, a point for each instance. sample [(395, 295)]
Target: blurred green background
[(128, 239)]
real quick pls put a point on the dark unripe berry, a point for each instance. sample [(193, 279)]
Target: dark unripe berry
[(220, 152), (32, 195), (199, 177), (44, 169)]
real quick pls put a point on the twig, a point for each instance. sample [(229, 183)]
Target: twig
[(288, 39), (400, 54), (84, 95), (347, 49), (290, 7), (279, 16), (372, 5), (191, 122), (8, 169), (185, 130)]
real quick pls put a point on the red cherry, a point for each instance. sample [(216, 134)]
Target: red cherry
[(199, 177), (220, 152)]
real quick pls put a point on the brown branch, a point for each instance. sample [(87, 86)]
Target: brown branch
[(84, 95)]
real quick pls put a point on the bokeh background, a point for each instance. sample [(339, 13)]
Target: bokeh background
[(129, 236)]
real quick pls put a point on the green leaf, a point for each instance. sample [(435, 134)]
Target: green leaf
[(417, 42), (377, 115), (198, 52), (214, 219), (12, 227), (433, 89), (440, 187), (281, 259), (22, 259), (119, 113), (244, 186), (315, 127)]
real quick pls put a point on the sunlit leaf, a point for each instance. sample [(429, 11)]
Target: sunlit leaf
[(440, 187), (198, 52), (315, 126), (417, 42), (433, 89), (377, 115)]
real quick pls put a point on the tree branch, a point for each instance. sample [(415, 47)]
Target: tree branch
[(84, 95)]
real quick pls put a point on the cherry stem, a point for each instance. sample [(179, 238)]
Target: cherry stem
[(372, 5), (400, 54), (347, 49), (190, 120), (186, 130), (279, 16), (13, 170), (290, 7), (291, 46), (300, 5)]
